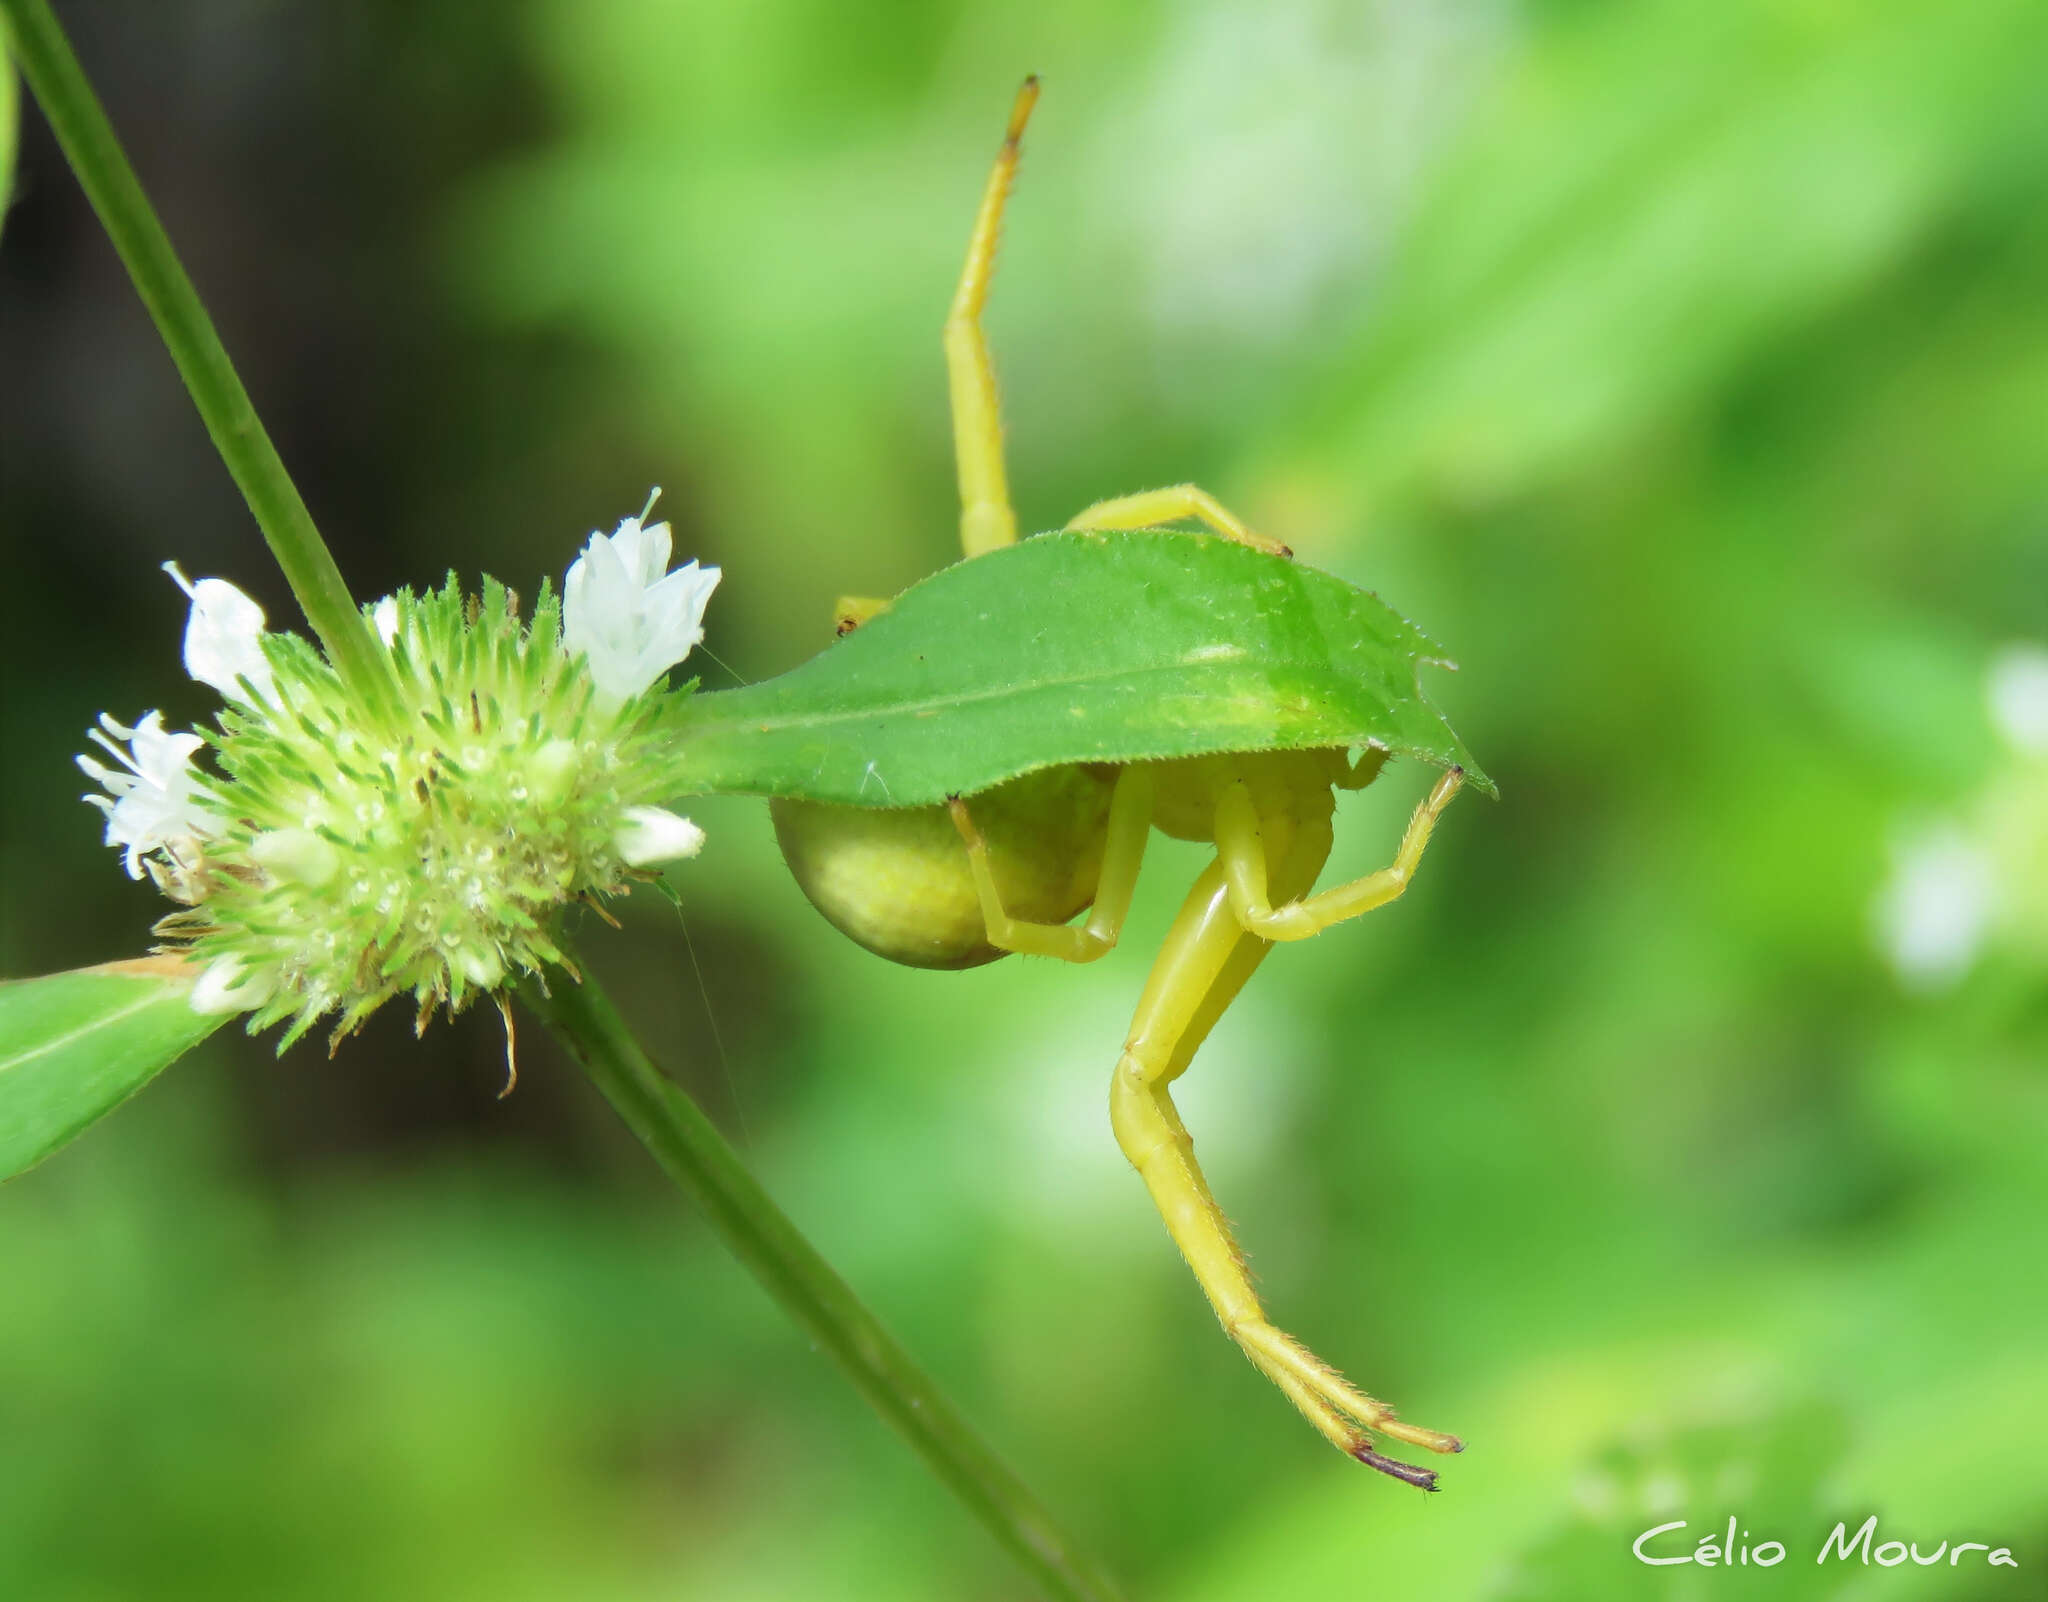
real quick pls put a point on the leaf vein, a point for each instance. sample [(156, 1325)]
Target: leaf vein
[(58, 1043)]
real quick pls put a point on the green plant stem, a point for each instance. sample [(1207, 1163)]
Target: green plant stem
[(10, 126), (697, 1157), (37, 42)]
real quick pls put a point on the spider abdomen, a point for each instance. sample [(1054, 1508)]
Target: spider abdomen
[(896, 879)]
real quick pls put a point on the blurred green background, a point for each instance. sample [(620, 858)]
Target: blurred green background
[(1678, 1139)]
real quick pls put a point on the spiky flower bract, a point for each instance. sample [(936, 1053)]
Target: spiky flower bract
[(337, 856)]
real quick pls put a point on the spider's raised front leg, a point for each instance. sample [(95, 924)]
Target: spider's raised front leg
[(1207, 957), (987, 521), (1152, 508)]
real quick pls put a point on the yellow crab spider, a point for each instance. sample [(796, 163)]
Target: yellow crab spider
[(1004, 870)]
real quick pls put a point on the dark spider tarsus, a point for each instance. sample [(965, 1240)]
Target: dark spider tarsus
[(1408, 1473), (1020, 112)]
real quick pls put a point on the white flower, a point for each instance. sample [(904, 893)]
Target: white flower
[(626, 614), (150, 807), (647, 835), (224, 638), (1934, 914), (384, 619)]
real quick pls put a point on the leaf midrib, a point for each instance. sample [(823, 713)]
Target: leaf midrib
[(104, 1021), (768, 725)]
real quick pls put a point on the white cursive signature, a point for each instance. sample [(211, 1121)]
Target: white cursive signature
[(1722, 1550)]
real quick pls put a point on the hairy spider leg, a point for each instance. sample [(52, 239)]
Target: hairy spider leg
[(987, 521), (1239, 848), (1206, 959), (1209, 954), (1152, 508), (1123, 853)]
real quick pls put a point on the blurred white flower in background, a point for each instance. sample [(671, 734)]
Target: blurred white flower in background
[(1933, 913), (2019, 698), (1966, 885)]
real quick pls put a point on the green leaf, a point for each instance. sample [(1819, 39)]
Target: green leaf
[(74, 1046), (1074, 648)]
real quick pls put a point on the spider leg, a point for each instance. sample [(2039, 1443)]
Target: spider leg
[(986, 518), (1123, 852), (1206, 958), (1151, 508), (1239, 848), (1367, 768)]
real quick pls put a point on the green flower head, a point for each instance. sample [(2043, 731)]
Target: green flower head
[(333, 857)]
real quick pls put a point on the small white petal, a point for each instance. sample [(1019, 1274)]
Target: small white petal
[(152, 806), (479, 965), (224, 638), (627, 617), (647, 835), (226, 986), (2019, 697), (643, 548), (384, 619), (1933, 915), (296, 856), (551, 771)]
